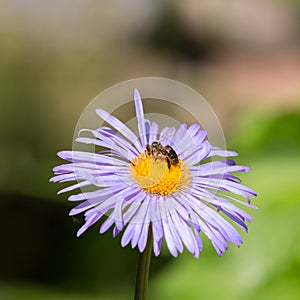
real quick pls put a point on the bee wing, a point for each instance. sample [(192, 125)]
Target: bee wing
[(167, 133)]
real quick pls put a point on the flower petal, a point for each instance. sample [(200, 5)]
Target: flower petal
[(122, 128), (204, 205), (140, 117)]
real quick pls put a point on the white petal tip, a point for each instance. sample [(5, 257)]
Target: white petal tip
[(124, 243), (73, 212), (79, 233), (137, 95), (102, 113)]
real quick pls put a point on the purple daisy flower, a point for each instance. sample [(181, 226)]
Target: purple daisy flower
[(157, 180)]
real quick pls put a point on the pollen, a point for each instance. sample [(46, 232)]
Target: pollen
[(153, 175)]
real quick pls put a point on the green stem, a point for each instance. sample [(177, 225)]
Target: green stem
[(143, 267)]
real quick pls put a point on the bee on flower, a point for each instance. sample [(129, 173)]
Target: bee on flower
[(158, 183)]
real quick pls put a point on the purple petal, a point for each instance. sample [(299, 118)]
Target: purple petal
[(166, 135), (138, 222), (172, 239), (144, 235), (90, 221), (184, 231), (153, 133), (193, 129), (179, 133), (148, 129), (75, 186), (140, 117), (122, 128), (156, 245), (215, 151), (198, 154), (106, 224)]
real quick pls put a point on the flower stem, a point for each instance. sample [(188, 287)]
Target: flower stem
[(143, 267)]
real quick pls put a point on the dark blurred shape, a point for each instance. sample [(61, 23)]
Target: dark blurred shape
[(34, 238), (171, 36)]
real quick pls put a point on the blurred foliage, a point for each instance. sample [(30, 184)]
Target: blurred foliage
[(268, 134)]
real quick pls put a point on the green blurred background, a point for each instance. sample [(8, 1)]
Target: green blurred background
[(55, 57)]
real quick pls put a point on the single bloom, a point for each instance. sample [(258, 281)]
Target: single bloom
[(168, 179)]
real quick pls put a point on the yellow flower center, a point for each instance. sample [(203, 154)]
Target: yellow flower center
[(154, 176)]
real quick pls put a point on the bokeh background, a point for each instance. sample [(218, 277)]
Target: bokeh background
[(56, 56)]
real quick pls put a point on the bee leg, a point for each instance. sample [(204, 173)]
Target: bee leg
[(148, 149), (169, 163), (132, 163)]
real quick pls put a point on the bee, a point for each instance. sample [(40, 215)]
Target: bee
[(164, 152), (160, 152)]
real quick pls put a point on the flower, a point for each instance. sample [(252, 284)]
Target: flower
[(140, 182)]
